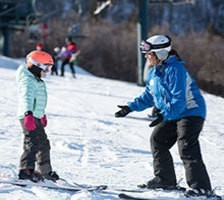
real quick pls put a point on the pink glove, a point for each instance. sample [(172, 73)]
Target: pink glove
[(44, 120), (29, 122)]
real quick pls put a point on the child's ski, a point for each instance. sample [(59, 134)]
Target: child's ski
[(52, 185)]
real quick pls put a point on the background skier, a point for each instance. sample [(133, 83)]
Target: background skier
[(39, 46), (55, 56), (67, 56)]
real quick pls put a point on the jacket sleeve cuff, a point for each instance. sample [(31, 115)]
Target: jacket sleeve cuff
[(28, 113)]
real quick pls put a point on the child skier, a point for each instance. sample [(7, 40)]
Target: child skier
[(31, 112)]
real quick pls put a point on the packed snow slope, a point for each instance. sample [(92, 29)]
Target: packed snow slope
[(88, 144)]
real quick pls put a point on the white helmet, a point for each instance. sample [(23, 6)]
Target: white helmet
[(56, 49), (160, 44)]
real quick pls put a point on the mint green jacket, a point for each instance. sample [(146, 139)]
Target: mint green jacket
[(31, 92)]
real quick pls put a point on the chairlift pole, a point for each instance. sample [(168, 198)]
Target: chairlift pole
[(142, 30), (5, 33)]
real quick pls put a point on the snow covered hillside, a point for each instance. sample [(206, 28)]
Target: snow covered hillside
[(88, 144)]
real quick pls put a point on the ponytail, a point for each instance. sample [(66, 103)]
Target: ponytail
[(173, 52)]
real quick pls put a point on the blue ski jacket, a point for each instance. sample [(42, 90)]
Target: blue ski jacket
[(171, 89)]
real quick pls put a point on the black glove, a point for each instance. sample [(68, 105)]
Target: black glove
[(158, 120), (123, 112), (155, 111)]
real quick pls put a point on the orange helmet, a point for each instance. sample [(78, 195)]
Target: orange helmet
[(40, 59)]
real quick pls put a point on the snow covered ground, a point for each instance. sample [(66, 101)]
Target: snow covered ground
[(88, 144)]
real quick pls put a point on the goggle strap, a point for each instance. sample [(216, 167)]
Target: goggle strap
[(42, 66), (160, 46)]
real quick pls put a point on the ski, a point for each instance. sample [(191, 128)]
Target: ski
[(214, 197), (102, 7), (142, 190), (52, 185), (141, 193), (126, 196), (133, 190), (140, 196)]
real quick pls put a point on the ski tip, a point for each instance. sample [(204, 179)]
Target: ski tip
[(102, 187), (125, 196), (122, 195)]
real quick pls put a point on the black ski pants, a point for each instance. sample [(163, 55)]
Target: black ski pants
[(36, 148), (185, 132), (71, 64)]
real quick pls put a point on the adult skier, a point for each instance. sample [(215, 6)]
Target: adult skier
[(180, 115), (68, 56)]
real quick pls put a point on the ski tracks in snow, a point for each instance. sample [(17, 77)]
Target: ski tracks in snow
[(94, 137), (89, 145)]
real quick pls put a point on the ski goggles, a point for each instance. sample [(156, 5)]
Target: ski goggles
[(45, 67), (147, 46)]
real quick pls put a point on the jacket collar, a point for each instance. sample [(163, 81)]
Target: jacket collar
[(171, 59)]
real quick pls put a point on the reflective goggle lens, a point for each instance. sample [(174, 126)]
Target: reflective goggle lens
[(48, 68), (145, 47)]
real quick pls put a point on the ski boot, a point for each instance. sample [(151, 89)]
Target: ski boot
[(202, 193), (52, 175), (156, 183), (30, 174)]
